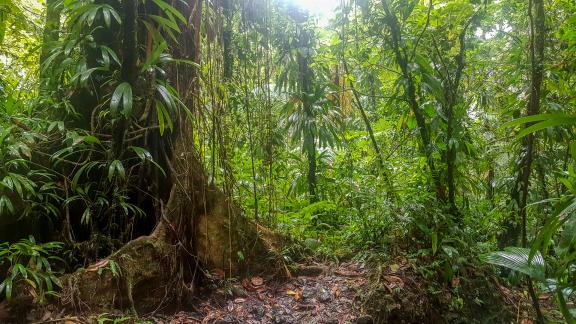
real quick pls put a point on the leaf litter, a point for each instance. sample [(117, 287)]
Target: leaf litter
[(330, 296)]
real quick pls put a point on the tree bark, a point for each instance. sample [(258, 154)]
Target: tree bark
[(227, 39), (50, 35), (451, 94), (519, 193), (129, 71), (515, 226), (200, 229), (375, 146), (410, 93), (305, 75)]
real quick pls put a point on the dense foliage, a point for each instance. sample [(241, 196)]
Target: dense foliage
[(438, 130)]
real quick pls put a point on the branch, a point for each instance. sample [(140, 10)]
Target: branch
[(423, 30)]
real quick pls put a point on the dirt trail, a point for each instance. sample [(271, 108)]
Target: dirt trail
[(319, 294)]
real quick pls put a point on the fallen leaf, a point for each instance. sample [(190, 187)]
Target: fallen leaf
[(346, 273), (71, 320), (544, 297), (306, 307), (296, 294), (257, 281), (394, 268), (46, 316), (395, 282), (335, 292), (217, 273)]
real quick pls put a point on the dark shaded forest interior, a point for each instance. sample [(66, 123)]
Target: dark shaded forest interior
[(287, 161)]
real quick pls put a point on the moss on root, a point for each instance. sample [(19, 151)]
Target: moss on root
[(157, 270)]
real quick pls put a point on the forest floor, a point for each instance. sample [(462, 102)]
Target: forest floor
[(315, 293), (319, 293)]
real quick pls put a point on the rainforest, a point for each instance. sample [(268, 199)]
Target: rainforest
[(287, 161)]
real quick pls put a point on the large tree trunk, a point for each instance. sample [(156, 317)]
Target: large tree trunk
[(200, 228)]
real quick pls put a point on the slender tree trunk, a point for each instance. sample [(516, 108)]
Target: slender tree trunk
[(50, 35), (306, 76), (249, 120), (542, 179), (129, 71), (452, 91), (410, 93), (269, 120), (375, 146), (227, 39), (311, 155), (519, 193)]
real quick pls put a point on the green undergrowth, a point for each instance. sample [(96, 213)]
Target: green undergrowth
[(424, 263)]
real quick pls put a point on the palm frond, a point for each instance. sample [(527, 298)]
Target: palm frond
[(517, 259)]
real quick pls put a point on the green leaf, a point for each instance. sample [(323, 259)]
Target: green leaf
[(8, 287), (144, 155), (163, 117), (167, 23), (116, 168), (85, 219), (545, 124), (434, 242), (169, 10), (123, 92), (106, 15), (91, 139), (6, 205), (535, 118), (517, 259), (166, 96), (20, 268)]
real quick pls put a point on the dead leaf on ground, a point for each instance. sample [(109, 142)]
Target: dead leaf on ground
[(346, 273), (395, 282), (46, 316), (257, 281), (71, 320), (294, 293), (246, 284), (217, 274), (336, 291)]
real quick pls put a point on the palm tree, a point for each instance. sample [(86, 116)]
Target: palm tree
[(312, 120)]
